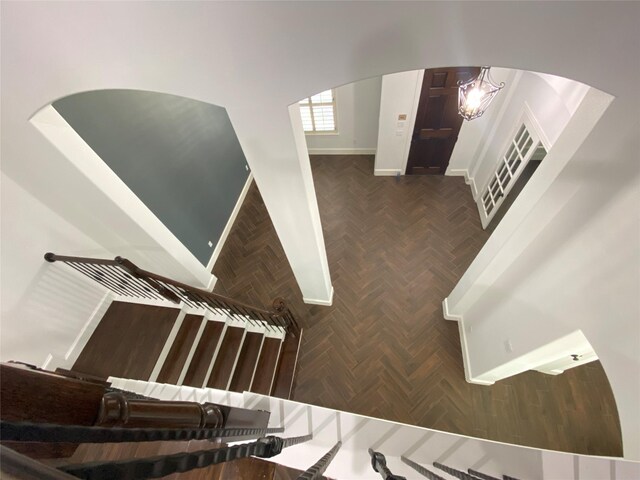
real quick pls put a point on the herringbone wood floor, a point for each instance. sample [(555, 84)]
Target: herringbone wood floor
[(396, 248)]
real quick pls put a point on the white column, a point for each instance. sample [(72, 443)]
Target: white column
[(275, 147)]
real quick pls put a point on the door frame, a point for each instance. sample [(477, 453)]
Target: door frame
[(411, 121)]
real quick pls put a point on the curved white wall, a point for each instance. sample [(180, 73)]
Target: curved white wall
[(551, 100), (253, 58)]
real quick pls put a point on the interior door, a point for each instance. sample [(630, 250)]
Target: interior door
[(437, 120)]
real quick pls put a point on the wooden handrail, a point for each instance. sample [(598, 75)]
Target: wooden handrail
[(152, 285), (155, 276)]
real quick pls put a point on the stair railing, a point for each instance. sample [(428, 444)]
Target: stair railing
[(136, 468), (124, 278)]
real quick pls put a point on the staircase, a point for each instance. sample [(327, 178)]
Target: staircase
[(191, 348), (162, 330)]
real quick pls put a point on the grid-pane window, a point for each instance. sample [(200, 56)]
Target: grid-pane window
[(319, 112), (508, 170)]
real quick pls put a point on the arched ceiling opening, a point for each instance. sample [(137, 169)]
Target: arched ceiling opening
[(254, 59)]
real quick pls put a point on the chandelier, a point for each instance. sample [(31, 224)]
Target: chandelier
[(475, 95)]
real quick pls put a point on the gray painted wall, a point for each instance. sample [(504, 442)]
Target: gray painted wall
[(181, 157)]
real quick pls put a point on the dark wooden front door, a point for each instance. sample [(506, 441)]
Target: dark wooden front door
[(437, 120)]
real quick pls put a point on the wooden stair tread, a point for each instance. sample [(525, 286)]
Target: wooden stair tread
[(246, 362), (173, 364), (127, 342), (223, 366), (201, 360), (267, 364), (283, 384)]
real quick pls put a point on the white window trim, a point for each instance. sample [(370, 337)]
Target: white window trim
[(335, 115), (538, 137)]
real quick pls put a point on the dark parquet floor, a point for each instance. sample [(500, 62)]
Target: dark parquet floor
[(396, 248)]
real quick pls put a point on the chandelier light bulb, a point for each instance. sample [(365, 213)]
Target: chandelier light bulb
[(475, 95), (474, 98)]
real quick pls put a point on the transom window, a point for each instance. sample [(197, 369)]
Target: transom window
[(319, 112)]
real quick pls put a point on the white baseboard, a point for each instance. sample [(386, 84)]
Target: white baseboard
[(387, 172), (446, 314), (465, 358), (324, 303), (342, 151), (463, 344), (474, 190), (463, 172), (458, 172), (549, 372), (212, 282), (227, 230)]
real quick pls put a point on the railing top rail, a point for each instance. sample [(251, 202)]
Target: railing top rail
[(175, 283), (175, 291), (52, 257), (129, 265), (134, 269)]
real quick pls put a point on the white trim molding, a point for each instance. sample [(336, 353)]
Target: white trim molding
[(227, 229), (463, 172), (466, 358), (342, 151), (387, 172), (447, 315), (324, 303), (496, 123), (411, 121)]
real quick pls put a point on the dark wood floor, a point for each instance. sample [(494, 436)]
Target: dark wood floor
[(396, 248)]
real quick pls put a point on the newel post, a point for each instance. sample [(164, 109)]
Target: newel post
[(281, 310)]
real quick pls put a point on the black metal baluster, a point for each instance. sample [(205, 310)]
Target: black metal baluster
[(379, 464), (452, 471), (420, 469), (106, 280), (160, 466), (315, 472)]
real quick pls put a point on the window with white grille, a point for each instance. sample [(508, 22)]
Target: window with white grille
[(509, 168), (319, 112)]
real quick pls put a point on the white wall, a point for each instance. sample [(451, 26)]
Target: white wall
[(595, 269), (44, 306), (400, 95), (252, 58), (549, 110), (482, 142), (357, 112), (476, 133)]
